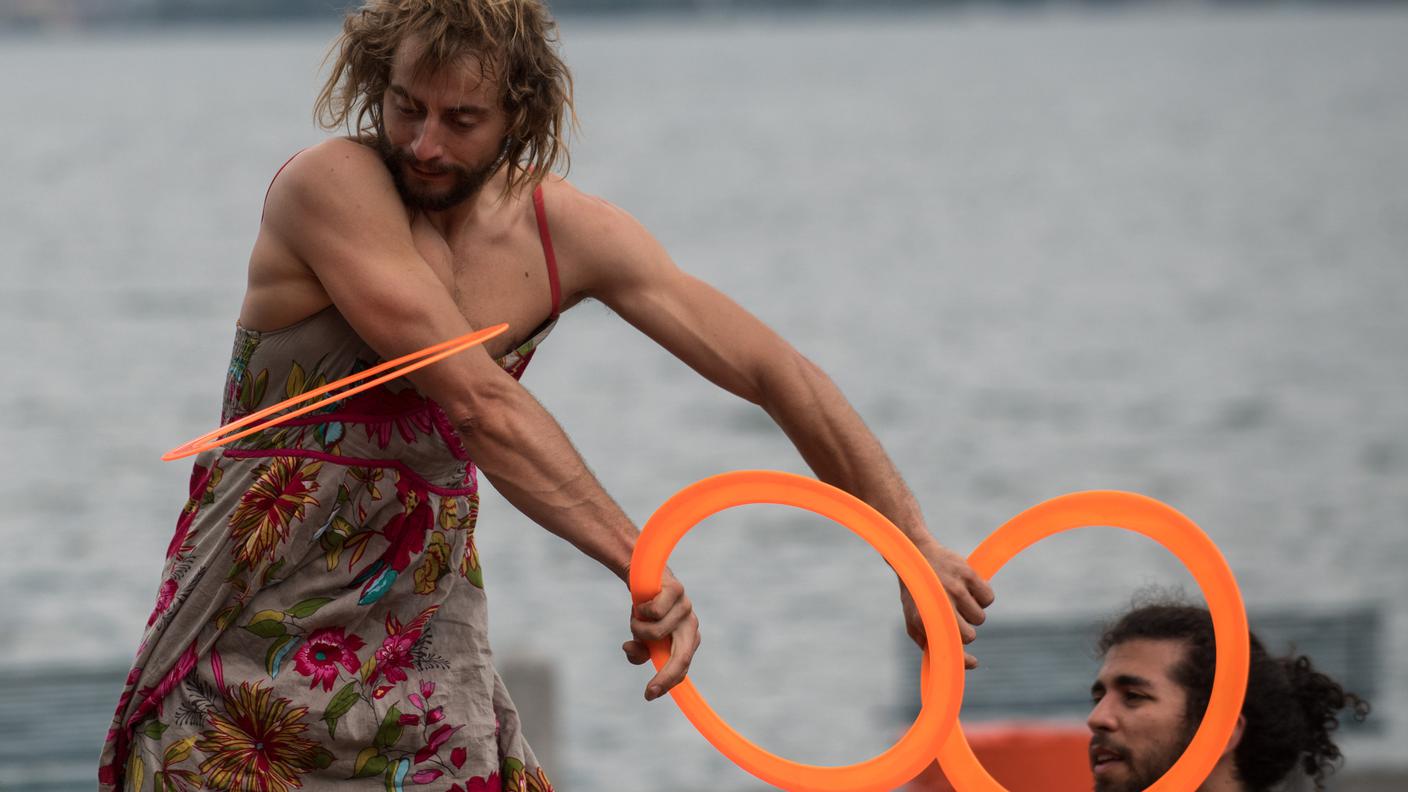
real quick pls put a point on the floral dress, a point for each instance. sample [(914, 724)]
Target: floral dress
[(321, 621)]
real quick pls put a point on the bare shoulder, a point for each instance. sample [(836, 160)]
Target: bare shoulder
[(336, 169), (602, 241)]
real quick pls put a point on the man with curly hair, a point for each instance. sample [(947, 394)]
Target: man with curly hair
[(1154, 686), (323, 610)]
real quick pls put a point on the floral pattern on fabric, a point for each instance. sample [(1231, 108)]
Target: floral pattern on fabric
[(321, 620)]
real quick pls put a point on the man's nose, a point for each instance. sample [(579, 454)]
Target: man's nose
[(426, 145), (1101, 718)]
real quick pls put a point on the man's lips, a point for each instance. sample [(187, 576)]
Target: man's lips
[(426, 174), (1104, 758)]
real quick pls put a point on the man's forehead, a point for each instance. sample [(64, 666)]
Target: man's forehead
[(468, 73), (1147, 660)]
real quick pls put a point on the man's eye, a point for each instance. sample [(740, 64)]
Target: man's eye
[(406, 111)]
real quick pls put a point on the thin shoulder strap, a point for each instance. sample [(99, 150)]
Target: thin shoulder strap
[(546, 238), (276, 175)]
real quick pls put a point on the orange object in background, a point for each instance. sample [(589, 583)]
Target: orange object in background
[(1023, 758)]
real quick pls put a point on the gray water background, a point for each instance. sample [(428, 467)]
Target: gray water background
[(1148, 249)]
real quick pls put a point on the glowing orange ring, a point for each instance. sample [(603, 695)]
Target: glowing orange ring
[(1178, 535), (943, 692), (430, 354)]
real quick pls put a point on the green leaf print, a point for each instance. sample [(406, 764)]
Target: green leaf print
[(332, 543), (154, 729), (390, 730), (396, 774), (369, 763), (227, 616), (252, 391), (340, 704), (160, 784), (270, 571), (307, 607), (323, 759), (278, 652), (178, 752), (294, 384), (267, 628), (135, 770)]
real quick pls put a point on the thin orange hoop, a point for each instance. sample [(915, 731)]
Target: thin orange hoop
[(1180, 536), (943, 692), (431, 354)]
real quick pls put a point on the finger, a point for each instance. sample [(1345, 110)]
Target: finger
[(656, 630), (969, 662), (636, 652), (658, 606), (682, 647), (967, 607), (981, 591)]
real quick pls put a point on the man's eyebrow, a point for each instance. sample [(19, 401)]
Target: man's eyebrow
[(474, 110), (1132, 681)]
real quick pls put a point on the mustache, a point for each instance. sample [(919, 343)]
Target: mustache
[(1101, 743), (406, 158)]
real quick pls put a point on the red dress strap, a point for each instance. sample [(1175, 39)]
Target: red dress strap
[(276, 175), (546, 238)]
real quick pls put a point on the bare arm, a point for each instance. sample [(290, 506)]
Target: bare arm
[(632, 274), (336, 209)]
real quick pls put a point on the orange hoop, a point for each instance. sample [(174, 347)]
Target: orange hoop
[(1180, 536), (431, 354), (943, 692), (940, 698)]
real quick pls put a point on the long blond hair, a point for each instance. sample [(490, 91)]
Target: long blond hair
[(516, 40)]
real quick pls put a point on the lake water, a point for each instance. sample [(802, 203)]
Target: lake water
[(1155, 250)]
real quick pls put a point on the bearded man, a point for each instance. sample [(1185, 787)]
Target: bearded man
[(322, 620), (1153, 689)]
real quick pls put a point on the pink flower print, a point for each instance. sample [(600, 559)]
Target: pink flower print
[(417, 701), (164, 596), (426, 776), (490, 784), (439, 738), (381, 692), (383, 411), (435, 716), (410, 720), (320, 655), (394, 656), (458, 756), (427, 688)]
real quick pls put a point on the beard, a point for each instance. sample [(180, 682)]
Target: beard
[(1145, 769), (465, 183)]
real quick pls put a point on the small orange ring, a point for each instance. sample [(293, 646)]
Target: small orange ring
[(943, 692), (431, 354)]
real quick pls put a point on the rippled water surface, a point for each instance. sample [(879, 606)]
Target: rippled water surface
[(1041, 252)]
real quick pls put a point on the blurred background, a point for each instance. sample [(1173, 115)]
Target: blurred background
[(1043, 247)]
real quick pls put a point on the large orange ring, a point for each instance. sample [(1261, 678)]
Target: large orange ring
[(1178, 535), (406, 364), (942, 691)]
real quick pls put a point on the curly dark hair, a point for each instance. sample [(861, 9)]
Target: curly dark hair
[(516, 39), (1290, 708)]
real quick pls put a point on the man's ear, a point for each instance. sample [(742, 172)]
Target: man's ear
[(1236, 738)]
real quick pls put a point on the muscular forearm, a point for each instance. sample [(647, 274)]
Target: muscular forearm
[(837, 445), (522, 450)]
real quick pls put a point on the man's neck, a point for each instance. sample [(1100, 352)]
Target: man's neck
[(473, 211), (1223, 778)]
